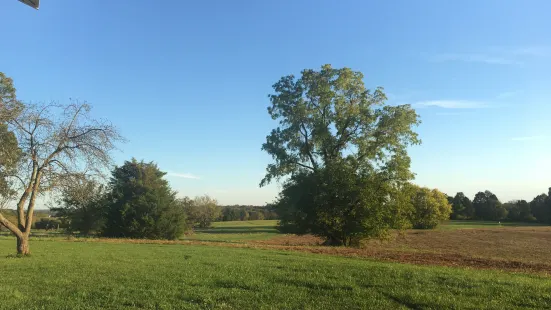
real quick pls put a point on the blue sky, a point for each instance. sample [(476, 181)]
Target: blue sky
[(187, 82)]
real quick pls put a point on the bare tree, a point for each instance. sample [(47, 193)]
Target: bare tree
[(59, 144)]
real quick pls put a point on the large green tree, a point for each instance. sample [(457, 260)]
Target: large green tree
[(518, 211), (341, 205), (541, 207), (9, 105), (329, 123), (142, 204), (462, 207), (488, 207), (10, 153)]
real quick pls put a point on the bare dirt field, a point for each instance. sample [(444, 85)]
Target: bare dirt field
[(526, 249)]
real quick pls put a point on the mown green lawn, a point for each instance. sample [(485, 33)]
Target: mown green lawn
[(235, 231), (242, 231), (95, 275)]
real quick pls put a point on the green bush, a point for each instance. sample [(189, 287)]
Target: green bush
[(202, 211), (82, 207), (142, 204), (429, 207), (339, 204)]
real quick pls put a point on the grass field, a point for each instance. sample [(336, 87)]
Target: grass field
[(92, 275), (236, 231), (248, 265)]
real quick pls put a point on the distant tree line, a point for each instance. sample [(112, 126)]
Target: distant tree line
[(42, 220), (247, 213), (486, 206)]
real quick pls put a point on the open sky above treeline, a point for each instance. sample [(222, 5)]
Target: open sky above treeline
[(187, 82)]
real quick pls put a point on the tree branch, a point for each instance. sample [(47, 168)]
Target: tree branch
[(23, 199), (305, 166), (84, 133), (30, 207), (9, 225), (345, 136), (307, 147), (17, 177)]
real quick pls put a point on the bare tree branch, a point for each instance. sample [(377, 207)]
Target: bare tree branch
[(57, 148)]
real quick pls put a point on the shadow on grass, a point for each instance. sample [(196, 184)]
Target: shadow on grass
[(233, 284), (238, 230), (406, 302), (40, 233), (492, 223)]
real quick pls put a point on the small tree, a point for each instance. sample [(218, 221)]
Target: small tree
[(59, 144), (430, 207), (203, 211), (82, 206), (142, 204)]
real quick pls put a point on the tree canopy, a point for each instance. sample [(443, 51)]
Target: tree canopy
[(541, 207), (329, 122), (203, 210), (83, 205), (462, 207), (9, 105), (430, 207), (10, 153), (142, 204), (328, 115), (488, 207)]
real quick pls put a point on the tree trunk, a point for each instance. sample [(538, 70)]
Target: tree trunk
[(23, 245), (333, 241)]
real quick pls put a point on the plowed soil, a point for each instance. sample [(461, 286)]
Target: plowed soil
[(523, 249)]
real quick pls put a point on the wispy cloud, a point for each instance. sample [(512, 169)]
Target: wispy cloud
[(530, 138), (496, 55), (538, 51), (507, 94), (183, 175), (480, 58), (448, 113), (452, 104)]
